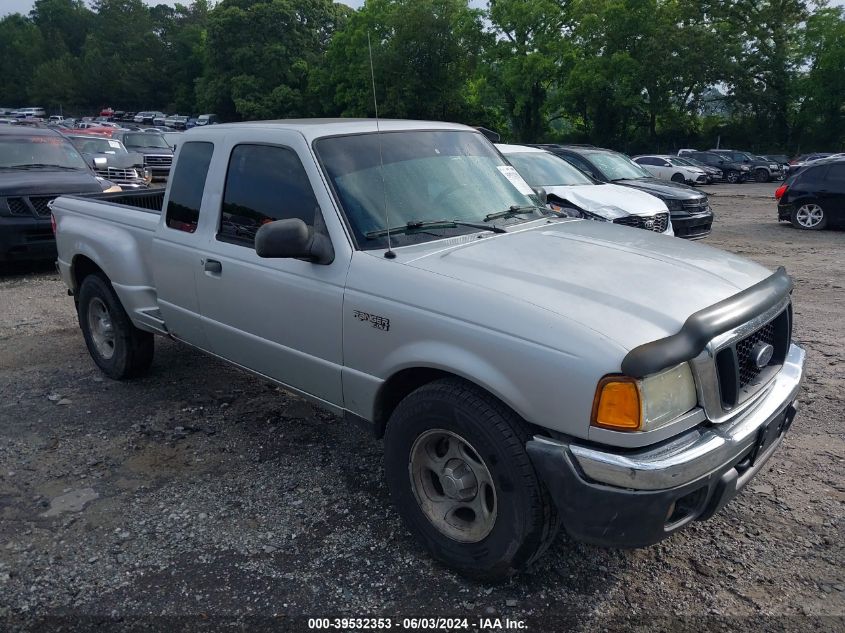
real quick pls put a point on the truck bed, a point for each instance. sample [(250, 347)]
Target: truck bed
[(150, 200), (115, 232)]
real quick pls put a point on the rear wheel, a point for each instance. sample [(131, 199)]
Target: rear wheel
[(118, 348), (679, 177), (461, 479), (761, 175), (809, 216)]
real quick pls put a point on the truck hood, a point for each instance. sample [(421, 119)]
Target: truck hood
[(628, 285), (597, 198), (46, 181), (662, 188)]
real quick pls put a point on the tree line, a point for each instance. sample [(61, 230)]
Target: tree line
[(638, 75)]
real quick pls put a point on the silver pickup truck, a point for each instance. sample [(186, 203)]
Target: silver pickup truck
[(525, 370)]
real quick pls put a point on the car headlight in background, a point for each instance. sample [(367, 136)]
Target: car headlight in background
[(773, 167), (673, 204), (744, 167), (622, 403)]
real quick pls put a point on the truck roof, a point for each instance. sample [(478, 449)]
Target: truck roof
[(316, 128)]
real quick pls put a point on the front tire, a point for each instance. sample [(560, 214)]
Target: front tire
[(118, 348), (679, 177), (733, 177), (461, 479), (761, 175), (809, 216)]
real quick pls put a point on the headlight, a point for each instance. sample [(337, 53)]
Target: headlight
[(573, 212), (773, 166), (627, 404), (744, 167), (673, 204)]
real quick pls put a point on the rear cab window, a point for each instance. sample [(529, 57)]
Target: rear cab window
[(187, 183)]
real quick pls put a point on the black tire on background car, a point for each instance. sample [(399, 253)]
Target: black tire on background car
[(679, 177), (808, 216), (732, 176), (761, 175), (461, 479), (118, 348)]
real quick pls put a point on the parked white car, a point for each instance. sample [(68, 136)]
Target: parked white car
[(670, 168), (569, 191), (26, 113)]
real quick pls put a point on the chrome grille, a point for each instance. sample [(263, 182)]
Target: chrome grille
[(18, 206), (158, 161), (656, 223), (738, 375), (748, 371), (117, 174)]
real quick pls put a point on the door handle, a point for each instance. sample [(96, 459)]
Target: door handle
[(213, 266)]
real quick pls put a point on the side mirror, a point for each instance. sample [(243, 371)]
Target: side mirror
[(542, 195), (100, 162), (292, 238)]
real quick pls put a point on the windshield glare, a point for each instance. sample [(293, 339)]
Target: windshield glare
[(541, 169), (617, 166), (93, 145), (428, 176), (145, 139), (39, 150)]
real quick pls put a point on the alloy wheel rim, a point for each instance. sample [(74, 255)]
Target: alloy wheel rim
[(101, 327), (809, 215), (453, 486)]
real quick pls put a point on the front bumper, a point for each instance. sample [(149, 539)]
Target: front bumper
[(692, 226), (639, 497), (26, 238)]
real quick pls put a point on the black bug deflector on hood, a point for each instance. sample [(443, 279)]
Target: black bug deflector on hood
[(705, 324)]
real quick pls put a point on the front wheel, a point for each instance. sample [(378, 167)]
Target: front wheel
[(809, 216), (761, 175), (118, 348), (461, 479), (679, 177), (733, 177)]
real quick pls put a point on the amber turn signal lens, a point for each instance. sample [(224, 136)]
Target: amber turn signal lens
[(617, 404)]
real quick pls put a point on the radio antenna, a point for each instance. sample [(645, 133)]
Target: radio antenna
[(389, 254)]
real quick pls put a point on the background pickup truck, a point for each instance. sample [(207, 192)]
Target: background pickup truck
[(525, 370)]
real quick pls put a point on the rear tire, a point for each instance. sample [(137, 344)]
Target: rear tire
[(498, 517), (808, 216), (118, 348)]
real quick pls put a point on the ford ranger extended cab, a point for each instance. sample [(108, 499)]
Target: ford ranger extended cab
[(525, 370)]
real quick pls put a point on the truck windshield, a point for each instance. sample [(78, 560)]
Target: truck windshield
[(39, 152), (145, 139), (542, 169), (96, 145), (428, 176)]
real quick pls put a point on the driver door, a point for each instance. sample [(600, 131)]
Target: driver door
[(278, 317)]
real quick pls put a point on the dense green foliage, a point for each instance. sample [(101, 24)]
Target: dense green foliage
[(634, 74)]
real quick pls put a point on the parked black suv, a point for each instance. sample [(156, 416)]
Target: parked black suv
[(732, 171), (763, 170), (36, 166), (814, 198), (688, 208)]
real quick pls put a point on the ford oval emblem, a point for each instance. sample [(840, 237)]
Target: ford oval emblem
[(761, 354)]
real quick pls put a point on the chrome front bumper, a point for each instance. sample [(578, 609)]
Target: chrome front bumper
[(698, 452)]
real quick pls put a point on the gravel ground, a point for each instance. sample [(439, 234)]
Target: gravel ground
[(200, 498)]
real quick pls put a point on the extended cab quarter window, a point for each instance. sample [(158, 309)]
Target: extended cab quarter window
[(186, 186), (264, 183)]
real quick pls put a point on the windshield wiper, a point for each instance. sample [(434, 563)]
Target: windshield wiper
[(510, 212), (36, 165), (414, 225)]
